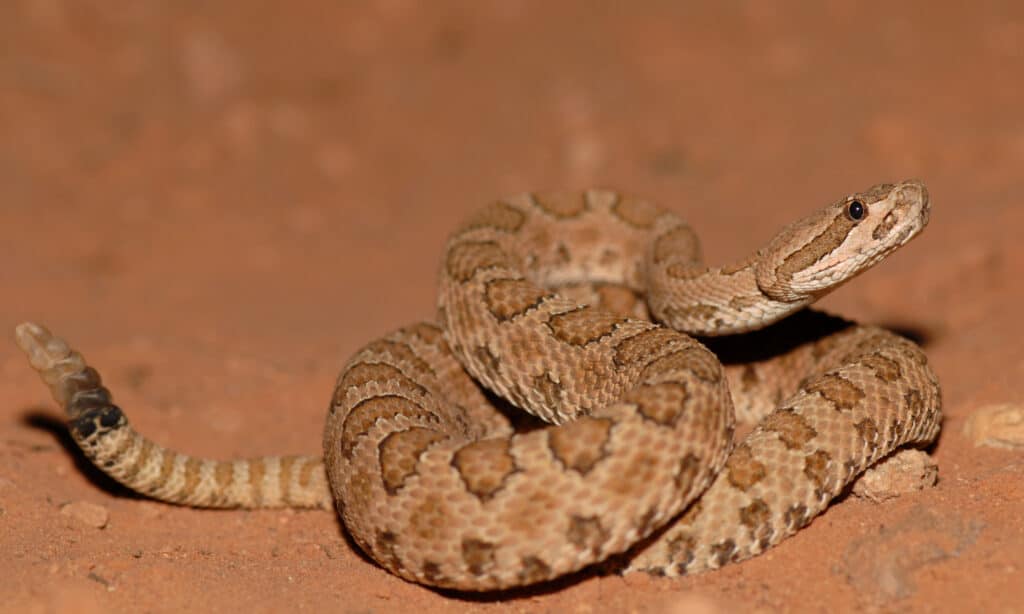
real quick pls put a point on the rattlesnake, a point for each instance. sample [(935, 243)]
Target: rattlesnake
[(544, 301)]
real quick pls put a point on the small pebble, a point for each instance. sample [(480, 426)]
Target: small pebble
[(87, 513), (906, 471), (997, 426)]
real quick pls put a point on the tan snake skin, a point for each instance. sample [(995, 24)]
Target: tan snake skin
[(433, 482)]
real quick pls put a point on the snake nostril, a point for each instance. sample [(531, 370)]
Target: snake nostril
[(924, 200), (914, 192)]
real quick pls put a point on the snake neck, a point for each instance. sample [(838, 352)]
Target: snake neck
[(714, 301)]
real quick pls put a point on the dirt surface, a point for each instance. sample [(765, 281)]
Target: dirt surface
[(219, 205)]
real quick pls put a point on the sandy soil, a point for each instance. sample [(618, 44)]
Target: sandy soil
[(220, 205)]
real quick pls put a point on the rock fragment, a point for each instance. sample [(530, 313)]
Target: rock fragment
[(997, 426), (89, 514), (905, 471)]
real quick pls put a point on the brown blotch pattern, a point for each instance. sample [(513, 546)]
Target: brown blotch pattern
[(872, 343), (366, 413), (686, 270), (484, 466), (584, 325), (680, 241), (580, 445), (868, 431), (837, 390), (478, 555), (401, 353), (467, 257), (192, 468), (797, 516), (639, 348), (257, 470), (510, 298), (816, 467), (561, 204), (660, 403), (885, 369), (635, 212), (687, 473), (793, 429), (682, 550), (742, 469), (427, 332), (498, 215), (692, 360), (755, 515), (488, 361), (306, 473), (141, 458), (165, 471), (432, 573), (533, 569), (384, 547), (586, 533), (722, 552), (736, 267), (399, 453), (913, 400), (819, 247), (362, 373), (224, 474), (284, 478), (619, 300)]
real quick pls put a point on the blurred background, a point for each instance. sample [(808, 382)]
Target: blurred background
[(222, 201)]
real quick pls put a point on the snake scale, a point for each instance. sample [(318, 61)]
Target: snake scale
[(546, 303)]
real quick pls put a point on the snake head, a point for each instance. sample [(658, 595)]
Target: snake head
[(818, 253)]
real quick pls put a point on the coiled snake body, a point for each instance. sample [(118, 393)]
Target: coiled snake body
[(544, 300)]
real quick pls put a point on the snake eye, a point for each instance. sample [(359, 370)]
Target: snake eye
[(856, 211)]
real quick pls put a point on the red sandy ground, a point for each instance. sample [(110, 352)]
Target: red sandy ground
[(220, 204)]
